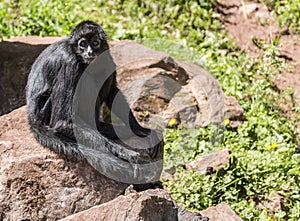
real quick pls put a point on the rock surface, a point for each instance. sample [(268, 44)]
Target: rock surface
[(274, 202), (211, 162), (35, 184), (234, 112), (160, 88), (150, 205), (221, 212), (15, 62)]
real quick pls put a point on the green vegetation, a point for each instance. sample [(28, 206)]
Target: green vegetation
[(287, 13), (266, 156)]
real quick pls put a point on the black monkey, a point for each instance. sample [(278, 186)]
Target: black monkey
[(49, 95)]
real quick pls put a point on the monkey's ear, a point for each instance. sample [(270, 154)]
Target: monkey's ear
[(101, 33), (72, 38), (72, 35)]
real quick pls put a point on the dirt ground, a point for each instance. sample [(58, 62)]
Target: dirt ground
[(245, 20)]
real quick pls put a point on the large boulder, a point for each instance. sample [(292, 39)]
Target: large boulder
[(150, 205), (36, 184), (161, 89), (16, 58)]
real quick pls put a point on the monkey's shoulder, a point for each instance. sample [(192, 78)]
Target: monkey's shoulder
[(55, 58), (52, 65), (58, 52)]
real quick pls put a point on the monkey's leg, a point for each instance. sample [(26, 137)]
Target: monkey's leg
[(45, 112), (64, 129), (39, 106)]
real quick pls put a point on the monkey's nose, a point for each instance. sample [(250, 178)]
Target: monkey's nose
[(90, 51)]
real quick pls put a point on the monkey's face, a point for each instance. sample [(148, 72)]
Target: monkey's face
[(88, 40), (88, 47)]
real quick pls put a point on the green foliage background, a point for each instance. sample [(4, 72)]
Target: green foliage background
[(265, 148)]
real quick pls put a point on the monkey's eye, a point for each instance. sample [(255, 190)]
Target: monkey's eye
[(96, 43), (82, 43)]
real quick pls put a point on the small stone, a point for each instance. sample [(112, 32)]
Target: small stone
[(221, 212), (211, 162)]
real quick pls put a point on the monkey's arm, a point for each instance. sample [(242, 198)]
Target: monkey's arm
[(38, 99)]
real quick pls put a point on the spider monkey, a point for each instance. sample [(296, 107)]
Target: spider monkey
[(50, 92)]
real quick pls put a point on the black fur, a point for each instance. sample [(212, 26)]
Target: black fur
[(50, 90)]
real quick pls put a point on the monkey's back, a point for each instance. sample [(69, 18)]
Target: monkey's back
[(51, 85)]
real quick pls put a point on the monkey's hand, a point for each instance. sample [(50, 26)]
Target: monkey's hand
[(64, 128)]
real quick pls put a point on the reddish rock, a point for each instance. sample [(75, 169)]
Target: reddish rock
[(221, 212), (211, 162), (150, 205), (234, 111), (36, 184), (274, 202)]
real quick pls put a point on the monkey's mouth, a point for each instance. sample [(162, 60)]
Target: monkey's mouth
[(88, 58)]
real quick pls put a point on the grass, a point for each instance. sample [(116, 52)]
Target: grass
[(287, 13), (265, 153)]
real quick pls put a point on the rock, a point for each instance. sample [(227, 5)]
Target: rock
[(150, 205), (211, 162), (221, 212), (248, 9), (207, 93), (15, 61), (185, 109), (155, 94), (185, 215), (132, 207), (274, 202), (35, 40), (234, 111), (161, 88), (36, 184)]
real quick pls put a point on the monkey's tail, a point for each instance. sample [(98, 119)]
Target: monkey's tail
[(108, 157), (59, 144)]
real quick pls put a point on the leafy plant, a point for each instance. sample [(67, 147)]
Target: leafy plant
[(287, 13)]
